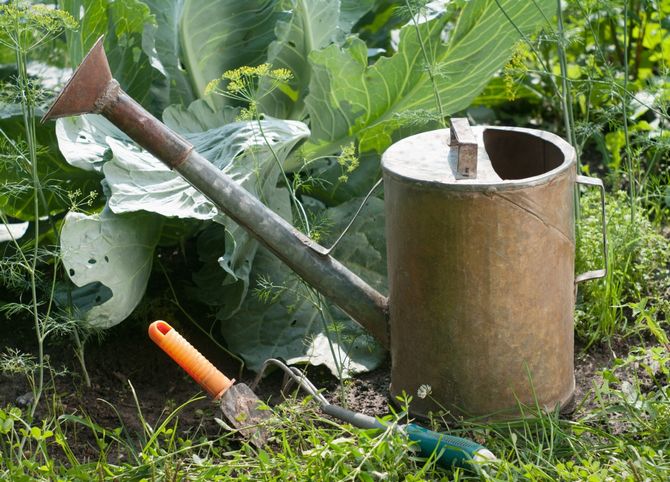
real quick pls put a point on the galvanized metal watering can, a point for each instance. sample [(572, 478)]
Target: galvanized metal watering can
[(481, 245)]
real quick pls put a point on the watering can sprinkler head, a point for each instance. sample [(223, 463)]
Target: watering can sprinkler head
[(85, 91)]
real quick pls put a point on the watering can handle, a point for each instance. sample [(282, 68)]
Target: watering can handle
[(463, 139), (599, 273)]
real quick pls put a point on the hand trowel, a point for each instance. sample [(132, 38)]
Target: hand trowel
[(239, 404)]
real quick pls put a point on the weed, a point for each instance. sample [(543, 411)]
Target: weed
[(639, 258)]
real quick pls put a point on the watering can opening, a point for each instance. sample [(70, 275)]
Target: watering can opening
[(519, 155)]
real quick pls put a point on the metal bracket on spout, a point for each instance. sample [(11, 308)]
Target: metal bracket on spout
[(464, 141)]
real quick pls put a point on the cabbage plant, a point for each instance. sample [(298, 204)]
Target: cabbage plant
[(316, 138)]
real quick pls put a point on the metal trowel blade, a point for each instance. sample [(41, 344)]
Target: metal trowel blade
[(244, 411)]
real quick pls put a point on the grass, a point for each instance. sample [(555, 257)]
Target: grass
[(304, 446), (620, 431), (590, 72)]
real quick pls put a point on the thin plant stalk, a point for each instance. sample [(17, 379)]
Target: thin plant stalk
[(31, 140), (24, 28), (629, 153), (79, 353), (565, 83), (315, 298), (566, 100), (294, 199), (429, 66)]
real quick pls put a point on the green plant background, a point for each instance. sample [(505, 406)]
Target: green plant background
[(337, 96), (364, 74)]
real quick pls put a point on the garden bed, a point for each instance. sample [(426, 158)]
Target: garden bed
[(126, 360)]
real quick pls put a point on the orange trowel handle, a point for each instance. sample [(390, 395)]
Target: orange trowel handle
[(197, 366)]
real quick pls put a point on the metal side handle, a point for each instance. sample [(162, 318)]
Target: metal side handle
[(598, 273)]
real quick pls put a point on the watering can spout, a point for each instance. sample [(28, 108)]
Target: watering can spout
[(92, 89), (82, 93)]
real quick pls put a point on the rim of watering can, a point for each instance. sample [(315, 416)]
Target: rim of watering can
[(399, 157)]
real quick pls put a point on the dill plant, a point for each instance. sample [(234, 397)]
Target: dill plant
[(24, 28), (242, 85)]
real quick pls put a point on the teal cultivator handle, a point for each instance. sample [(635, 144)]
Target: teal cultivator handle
[(449, 450)]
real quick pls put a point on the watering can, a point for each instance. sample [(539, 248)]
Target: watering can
[(480, 241)]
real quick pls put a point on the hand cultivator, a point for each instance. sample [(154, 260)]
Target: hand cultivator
[(449, 450), (239, 405)]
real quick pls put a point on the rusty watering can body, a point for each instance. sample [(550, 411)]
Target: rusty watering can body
[(489, 287), (481, 253)]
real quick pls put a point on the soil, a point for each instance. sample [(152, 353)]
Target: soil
[(126, 360)]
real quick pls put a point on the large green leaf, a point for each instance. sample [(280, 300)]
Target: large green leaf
[(225, 289), (219, 35), (214, 286), (92, 18), (161, 43), (311, 25), (351, 12), (114, 251), (290, 327), (136, 181), (11, 231), (255, 167), (83, 140), (350, 100), (199, 116)]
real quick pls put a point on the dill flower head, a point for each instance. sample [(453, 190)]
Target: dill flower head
[(242, 83)]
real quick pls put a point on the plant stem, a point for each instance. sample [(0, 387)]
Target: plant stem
[(316, 298), (31, 139), (624, 108), (565, 87), (294, 199), (80, 353), (429, 65), (566, 100)]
